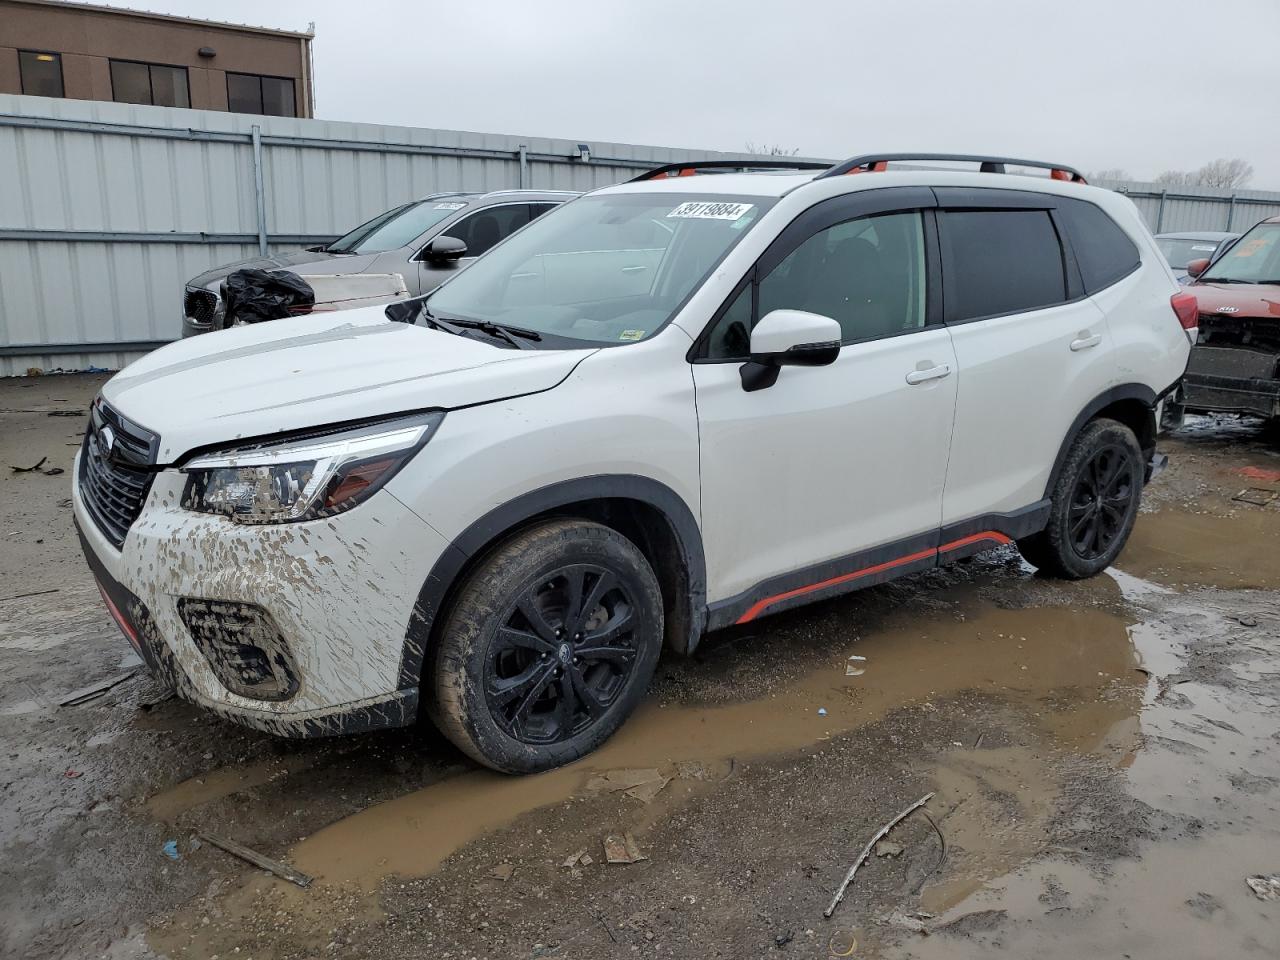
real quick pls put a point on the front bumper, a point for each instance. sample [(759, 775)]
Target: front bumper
[(1232, 379), (340, 590)]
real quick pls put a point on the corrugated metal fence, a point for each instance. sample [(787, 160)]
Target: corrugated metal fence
[(1175, 209), (106, 208)]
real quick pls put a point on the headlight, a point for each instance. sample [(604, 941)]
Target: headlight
[(305, 477)]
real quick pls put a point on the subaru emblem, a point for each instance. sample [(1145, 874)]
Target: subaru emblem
[(106, 441)]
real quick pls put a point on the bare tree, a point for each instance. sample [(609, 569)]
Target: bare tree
[(1110, 173), (771, 149), (1176, 178), (1223, 172)]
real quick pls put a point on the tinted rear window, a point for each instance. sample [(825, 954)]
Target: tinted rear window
[(1000, 261), (1104, 251)]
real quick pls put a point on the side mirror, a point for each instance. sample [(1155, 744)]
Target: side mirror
[(789, 338), (443, 249), (1197, 267)]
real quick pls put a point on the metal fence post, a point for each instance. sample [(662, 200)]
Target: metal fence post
[(1160, 212), (524, 166), (259, 192), (1231, 209)]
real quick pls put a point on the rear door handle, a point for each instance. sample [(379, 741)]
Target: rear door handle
[(930, 373), (1085, 340)]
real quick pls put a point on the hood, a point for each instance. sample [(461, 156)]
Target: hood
[(299, 261), (1239, 299), (310, 371)]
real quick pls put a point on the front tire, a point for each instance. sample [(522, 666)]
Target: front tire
[(1093, 505), (549, 645)]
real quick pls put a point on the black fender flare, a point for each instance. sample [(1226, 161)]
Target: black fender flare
[(511, 515), (1127, 391)]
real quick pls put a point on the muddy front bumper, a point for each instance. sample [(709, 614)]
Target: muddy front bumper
[(1232, 379), (340, 595)]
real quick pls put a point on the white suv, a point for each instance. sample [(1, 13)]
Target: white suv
[(668, 406)]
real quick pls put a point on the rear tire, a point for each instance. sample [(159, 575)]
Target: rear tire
[(1093, 505), (549, 645)]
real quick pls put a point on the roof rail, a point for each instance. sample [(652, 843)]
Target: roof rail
[(876, 162), (688, 168)]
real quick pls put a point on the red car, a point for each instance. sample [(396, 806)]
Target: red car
[(1235, 365)]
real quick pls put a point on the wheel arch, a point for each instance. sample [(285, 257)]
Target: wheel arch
[(1132, 404), (647, 512)]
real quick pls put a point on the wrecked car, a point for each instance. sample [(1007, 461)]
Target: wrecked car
[(666, 407), (419, 244), (1235, 365)]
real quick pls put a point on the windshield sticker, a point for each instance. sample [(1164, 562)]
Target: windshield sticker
[(1200, 246), (631, 335), (1252, 247), (709, 210), (449, 206)]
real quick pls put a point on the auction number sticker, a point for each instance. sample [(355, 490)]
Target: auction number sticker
[(710, 210), (449, 206)]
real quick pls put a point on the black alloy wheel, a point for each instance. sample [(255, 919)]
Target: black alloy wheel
[(1100, 503)]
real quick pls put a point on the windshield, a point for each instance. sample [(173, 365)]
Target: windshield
[(397, 227), (1181, 252), (1255, 258), (606, 269)]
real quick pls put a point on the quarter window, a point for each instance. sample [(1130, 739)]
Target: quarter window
[(269, 96), (867, 274), (152, 83), (40, 73), (1104, 251), (1000, 261)]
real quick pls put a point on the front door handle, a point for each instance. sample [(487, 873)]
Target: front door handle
[(1084, 340), (929, 373)]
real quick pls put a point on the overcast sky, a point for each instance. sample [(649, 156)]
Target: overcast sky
[(1145, 85)]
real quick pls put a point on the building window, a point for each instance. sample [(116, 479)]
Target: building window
[(154, 83), (41, 73), (272, 96), (149, 83)]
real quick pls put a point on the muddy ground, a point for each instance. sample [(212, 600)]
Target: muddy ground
[(1104, 759)]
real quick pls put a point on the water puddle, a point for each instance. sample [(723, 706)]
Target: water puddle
[(168, 804), (1180, 549), (1075, 667)]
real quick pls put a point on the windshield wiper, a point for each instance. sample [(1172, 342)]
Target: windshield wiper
[(501, 331), (1204, 279)]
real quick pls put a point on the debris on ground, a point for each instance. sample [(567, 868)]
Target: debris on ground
[(915, 922), (645, 792), (94, 690), (851, 668), (503, 871), (611, 781), (782, 939), (170, 849), (822, 711), (577, 858), (33, 593), (1265, 888), (53, 471), (622, 849), (887, 848), (1246, 621), (73, 774), (1255, 496), (31, 469), (281, 870), (866, 852)]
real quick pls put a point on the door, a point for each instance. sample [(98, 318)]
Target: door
[(834, 470), (1032, 350)]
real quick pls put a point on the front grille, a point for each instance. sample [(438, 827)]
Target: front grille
[(200, 305), (115, 470)]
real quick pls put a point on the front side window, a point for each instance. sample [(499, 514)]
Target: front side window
[(269, 96), (867, 274), (611, 268), (1255, 258), (397, 227), (40, 73), (1000, 261), (485, 229), (151, 83)]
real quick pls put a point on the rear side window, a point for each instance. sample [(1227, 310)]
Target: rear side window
[(1104, 251), (1000, 261)]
